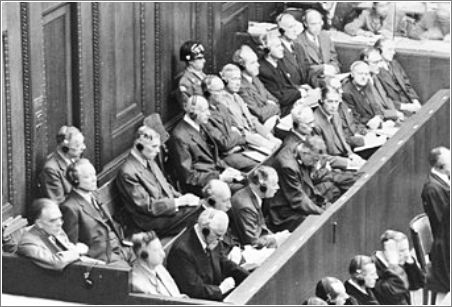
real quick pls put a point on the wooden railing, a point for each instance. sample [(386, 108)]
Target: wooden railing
[(387, 196)]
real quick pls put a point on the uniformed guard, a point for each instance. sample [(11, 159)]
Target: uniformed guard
[(192, 53)]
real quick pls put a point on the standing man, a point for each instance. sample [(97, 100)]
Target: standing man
[(319, 47), (150, 202), (192, 54), (52, 179), (436, 191), (197, 264)]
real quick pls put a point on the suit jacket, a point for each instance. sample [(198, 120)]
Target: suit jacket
[(296, 64), (197, 162), (363, 103), (435, 197), (247, 219), (195, 273), (52, 179), (83, 223), (37, 245), (279, 84), (350, 126), (361, 297), (256, 96), (396, 84), (143, 281), (390, 289), (230, 143), (332, 133), (318, 56), (297, 196)]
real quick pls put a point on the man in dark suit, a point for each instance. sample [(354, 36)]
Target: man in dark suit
[(196, 262), (363, 276), (329, 126), (394, 79), (436, 191), (274, 77), (360, 96), (52, 179), (259, 100), (46, 243), (86, 221), (194, 152), (149, 201), (247, 218), (319, 48), (298, 196), (295, 59)]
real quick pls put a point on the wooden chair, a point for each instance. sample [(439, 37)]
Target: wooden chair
[(421, 234)]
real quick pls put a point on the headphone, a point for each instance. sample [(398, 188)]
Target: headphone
[(206, 228), (62, 138), (192, 103), (278, 22), (139, 147), (263, 187), (72, 174)]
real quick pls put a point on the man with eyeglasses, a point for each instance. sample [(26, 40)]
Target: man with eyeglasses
[(53, 183), (360, 95), (192, 54), (196, 263)]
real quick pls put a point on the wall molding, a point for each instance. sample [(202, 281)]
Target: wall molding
[(142, 54), (97, 87), (157, 51), (80, 67), (210, 34), (198, 12), (27, 98), (8, 123)]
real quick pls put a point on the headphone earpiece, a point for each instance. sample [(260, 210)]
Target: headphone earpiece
[(144, 255), (72, 176), (211, 201), (139, 147), (65, 149), (205, 232), (281, 31), (263, 187)]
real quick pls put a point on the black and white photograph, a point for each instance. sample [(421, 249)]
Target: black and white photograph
[(225, 153)]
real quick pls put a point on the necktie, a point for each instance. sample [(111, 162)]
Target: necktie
[(160, 178)]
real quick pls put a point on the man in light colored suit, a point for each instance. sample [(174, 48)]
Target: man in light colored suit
[(52, 179), (149, 202), (319, 48), (86, 221), (46, 243)]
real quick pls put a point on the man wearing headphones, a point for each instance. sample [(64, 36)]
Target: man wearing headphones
[(436, 191), (259, 100), (52, 179), (192, 54), (194, 152), (87, 221), (197, 264), (149, 201), (363, 276), (248, 222), (319, 47)]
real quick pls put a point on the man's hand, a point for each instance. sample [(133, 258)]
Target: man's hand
[(81, 248), (400, 116), (364, 33), (329, 70), (229, 174), (375, 122), (227, 285), (187, 200), (235, 255)]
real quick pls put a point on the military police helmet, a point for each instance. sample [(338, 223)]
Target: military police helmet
[(191, 50)]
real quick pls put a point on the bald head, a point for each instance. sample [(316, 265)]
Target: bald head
[(213, 224)]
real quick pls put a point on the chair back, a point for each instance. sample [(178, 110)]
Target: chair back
[(421, 234)]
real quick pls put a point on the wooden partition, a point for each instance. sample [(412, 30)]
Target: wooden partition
[(387, 196)]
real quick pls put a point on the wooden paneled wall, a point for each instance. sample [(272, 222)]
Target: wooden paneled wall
[(102, 67)]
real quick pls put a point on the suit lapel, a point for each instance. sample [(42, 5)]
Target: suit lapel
[(88, 208), (311, 49), (196, 137), (324, 48), (289, 56), (435, 178)]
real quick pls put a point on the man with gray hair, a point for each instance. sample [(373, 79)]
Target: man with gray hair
[(196, 263), (150, 202), (194, 152)]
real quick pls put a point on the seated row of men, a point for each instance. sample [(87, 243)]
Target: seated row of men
[(385, 278)]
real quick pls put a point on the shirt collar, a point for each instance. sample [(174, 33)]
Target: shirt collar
[(358, 287), (328, 116), (137, 156), (272, 62), (299, 135), (259, 200), (381, 257), (287, 44), (198, 74), (441, 175), (86, 195), (192, 123), (66, 160), (247, 77), (200, 236), (310, 36)]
